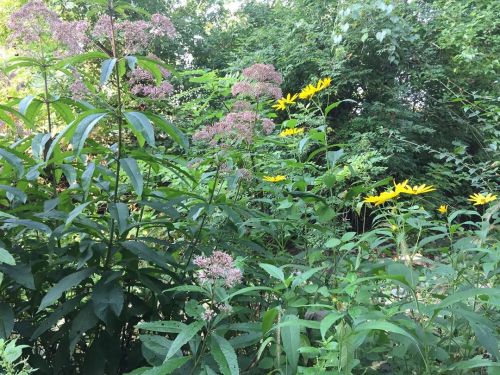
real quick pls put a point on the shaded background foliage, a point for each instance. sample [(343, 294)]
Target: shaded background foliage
[(422, 82)]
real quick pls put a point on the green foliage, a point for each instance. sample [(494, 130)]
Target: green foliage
[(107, 203)]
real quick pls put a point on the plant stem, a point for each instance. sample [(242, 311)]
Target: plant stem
[(197, 237), (120, 133)]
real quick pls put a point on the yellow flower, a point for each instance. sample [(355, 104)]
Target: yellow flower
[(480, 199), (280, 105), (323, 83), (294, 131), (308, 92), (403, 187), (381, 198), (443, 209), (274, 178), (290, 99)]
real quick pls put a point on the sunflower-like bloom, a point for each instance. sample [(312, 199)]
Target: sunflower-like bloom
[(323, 84), (418, 189), (480, 199), (443, 209), (290, 99), (403, 187), (283, 102), (274, 178), (381, 198), (292, 131), (308, 92), (280, 105)]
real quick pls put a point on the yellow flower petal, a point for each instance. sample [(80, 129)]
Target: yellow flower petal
[(293, 131), (443, 209), (479, 199), (274, 178)]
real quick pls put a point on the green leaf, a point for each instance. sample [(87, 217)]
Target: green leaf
[(119, 212), (64, 111), (82, 322), (56, 316), (182, 338), (141, 127), (82, 58), (6, 258), (131, 62), (247, 290), (12, 351), (21, 274), (87, 177), (14, 192), (29, 106), (131, 168), (273, 271), (476, 362), (303, 277), (83, 130), (70, 128), (333, 156), (30, 224), (387, 327), (163, 326), (151, 66), (167, 367), (106, 70), (64, 285), (290, 337), (74, 213), (144, 252), (6, 320), (464, 294), (332, 243), (328, 321), (12, 111), (169, 128), (268, 319), (224, 355), (107, 298), (13, 160)]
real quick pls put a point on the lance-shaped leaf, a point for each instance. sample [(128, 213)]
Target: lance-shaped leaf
[(106, 70), (70, 129), (141, 127), (6, 258), (64, 285), (169, 128), (13, 192), (182, 338), (83, 130), (224, 355), (74, 213), (119, 212), (13, 160), (29, 107), (131, 168)]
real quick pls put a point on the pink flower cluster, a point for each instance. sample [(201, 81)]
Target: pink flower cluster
[(135, 35), (262, 80), (77, 88), (218, 267), (142, 83), (35, 23), (263, 73), (236, 127)]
